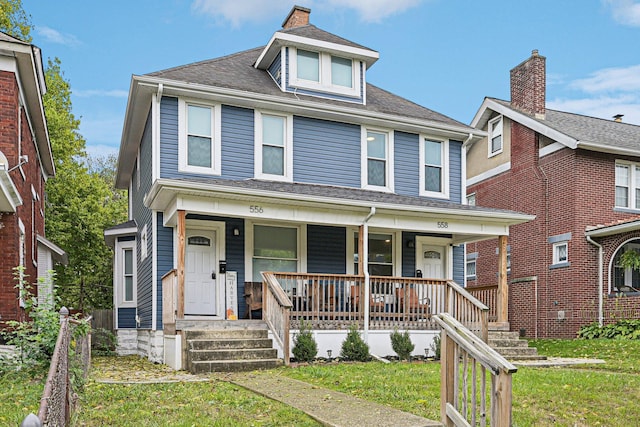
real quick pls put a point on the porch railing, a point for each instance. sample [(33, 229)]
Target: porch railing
[(467, 309), (488, 295), (276, 308), (466, 362)]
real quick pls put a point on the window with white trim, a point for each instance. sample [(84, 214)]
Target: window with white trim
[(495, 136), (471, 199), (377, 149), (380, 257), (471, 269), (627, 185), (434, 171), (127, 275), (560, 253), (324, 72), (199, 146), (273, 146), (125, 267), (274, 249)]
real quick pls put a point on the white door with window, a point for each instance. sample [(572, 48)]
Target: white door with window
[(431, 261), (200, 290)]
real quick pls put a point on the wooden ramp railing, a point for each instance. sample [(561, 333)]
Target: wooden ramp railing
[(467, 309), (488, 295), (466, 361)]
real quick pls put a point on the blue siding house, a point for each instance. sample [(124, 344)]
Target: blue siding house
[(284, 158)]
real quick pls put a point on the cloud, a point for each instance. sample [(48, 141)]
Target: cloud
[(54, 36), (90, 93), (604, 107), (238, 12), (626, 12), (624, 79)]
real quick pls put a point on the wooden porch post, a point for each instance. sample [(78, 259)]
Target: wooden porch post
[(503, 286), (180, 269)]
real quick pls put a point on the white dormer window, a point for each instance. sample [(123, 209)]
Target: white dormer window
[(495, 136), (324, 72)]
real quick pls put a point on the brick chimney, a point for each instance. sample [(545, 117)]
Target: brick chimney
[(298, 17), (529, 85)]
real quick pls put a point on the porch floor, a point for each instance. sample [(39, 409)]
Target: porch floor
[(331, 408)]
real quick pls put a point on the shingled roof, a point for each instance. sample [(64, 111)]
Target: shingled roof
[(588, 129), (237, 71), (312, 32)]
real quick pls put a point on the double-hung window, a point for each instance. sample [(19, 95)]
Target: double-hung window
[(380, 256), (377, 148), (495, 136), (125, 267), (560, 250), (627, 185), (274, 146), (324, 72), (433, 171), (199, 141), (274, 249)]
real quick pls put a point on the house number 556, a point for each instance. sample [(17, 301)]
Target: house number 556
[(256, 209)]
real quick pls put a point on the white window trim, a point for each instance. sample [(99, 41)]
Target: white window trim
[(631, 184), (490, 136), (467, 275), (556, 246), (216, 138), (364, 160), (324, 85), (119, 269), (144, 242), (396, 249), (444, 193), (469, 198), (248, 244), (288, 147)]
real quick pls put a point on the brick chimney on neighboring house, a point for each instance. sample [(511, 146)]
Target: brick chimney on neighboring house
[(298, 17), (529, 85)]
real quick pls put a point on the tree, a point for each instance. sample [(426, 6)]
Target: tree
[(14, 20)]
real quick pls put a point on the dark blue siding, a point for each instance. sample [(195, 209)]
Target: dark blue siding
[(142, 215), (408, 255), (168, 137), (326, 152), (458, 264), (126, 318), (406, 163), (275, 70), (165, 263), (326, 249), (455, 171), (237, 142)]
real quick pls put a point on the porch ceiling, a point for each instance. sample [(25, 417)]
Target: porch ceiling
[(321, 204)]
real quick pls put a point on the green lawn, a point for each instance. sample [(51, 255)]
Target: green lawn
[(594, 395)]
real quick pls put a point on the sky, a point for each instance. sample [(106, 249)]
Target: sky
[(446, 55)]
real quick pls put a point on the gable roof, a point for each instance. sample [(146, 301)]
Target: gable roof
[(310, 31), (570, 129)]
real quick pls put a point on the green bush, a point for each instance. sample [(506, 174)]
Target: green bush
[(103, 342), (305, 347), (401, 344), (622, 329), (353, 347)]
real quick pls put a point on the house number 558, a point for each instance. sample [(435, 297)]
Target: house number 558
[(443, 224), (255, 209)]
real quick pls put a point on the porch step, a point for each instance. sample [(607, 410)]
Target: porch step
[(512, 347), (229, 347)]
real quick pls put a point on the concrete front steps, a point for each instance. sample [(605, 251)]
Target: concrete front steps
[(230, 348), (511, 347)]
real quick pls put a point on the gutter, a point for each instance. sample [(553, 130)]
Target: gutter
[(600, 280), (365, 267)]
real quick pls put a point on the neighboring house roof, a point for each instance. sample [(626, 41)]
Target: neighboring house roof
[(569, 129), (58, 254), (614, 227), (31, 71)]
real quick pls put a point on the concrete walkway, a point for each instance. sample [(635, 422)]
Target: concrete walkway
[(331, 408)]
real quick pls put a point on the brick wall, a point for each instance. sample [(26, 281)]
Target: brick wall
[(31, 212)]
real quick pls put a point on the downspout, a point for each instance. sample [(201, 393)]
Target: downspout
[(365, 268), (600, 280)]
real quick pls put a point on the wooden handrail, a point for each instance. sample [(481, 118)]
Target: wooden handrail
[(276, 308), (459, 349)]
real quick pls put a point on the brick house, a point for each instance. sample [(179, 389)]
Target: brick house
[(26, 163), (580, 177)]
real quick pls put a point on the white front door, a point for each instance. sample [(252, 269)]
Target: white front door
[(200, 273), (431, 261)]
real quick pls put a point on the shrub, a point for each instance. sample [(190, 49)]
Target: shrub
[(103, 342), (401, 344), (305, 347), (353, 347), (622, 329), (435, 347)]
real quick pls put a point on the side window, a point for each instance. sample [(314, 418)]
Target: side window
[(273, 146), (377, 161), (495, 136), (199, 138), (560, 250), (471, 199), (434, 173), (125, 268)]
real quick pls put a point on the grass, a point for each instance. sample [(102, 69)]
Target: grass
[(584, 395)]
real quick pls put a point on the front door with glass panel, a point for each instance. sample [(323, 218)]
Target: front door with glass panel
[(431, 261), (200, 293)]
